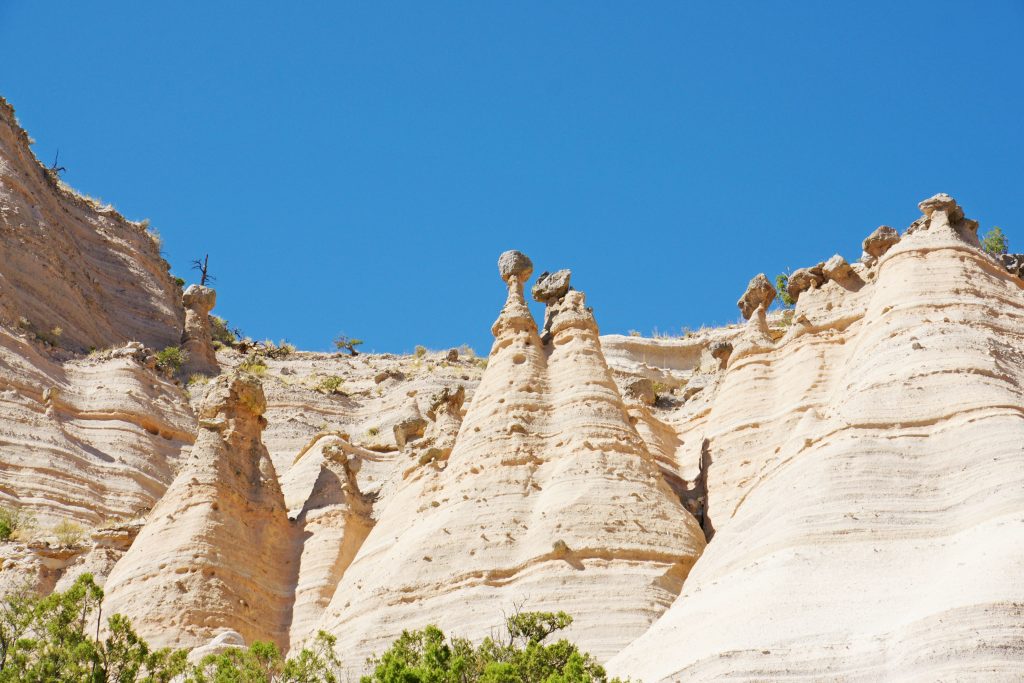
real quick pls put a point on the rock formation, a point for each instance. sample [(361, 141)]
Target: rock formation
[(197, 339), (835, 491), (335, 520), (760, 293), (867, 524), (75, 272), (215, 551), (537, 503)]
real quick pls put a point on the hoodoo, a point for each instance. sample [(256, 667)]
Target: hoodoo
[(536, 506), (217, 551)]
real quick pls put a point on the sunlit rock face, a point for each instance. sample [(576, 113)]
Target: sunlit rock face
[(216, 551), (549, 498), (832, 492), (865, 482)]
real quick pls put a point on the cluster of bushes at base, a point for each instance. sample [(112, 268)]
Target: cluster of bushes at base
[(520, 656), (57, 638)]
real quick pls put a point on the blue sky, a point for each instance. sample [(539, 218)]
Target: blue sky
[(360, 167)]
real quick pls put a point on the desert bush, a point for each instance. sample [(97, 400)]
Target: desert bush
[(781, 283), (520, 654), (343, 343), (420, 351), (50, 639), (221, 333), (994, 242), (68, 533), (16, 524), (253, 364), (330, 385), (170, 360), (277, 351), (180, 281)]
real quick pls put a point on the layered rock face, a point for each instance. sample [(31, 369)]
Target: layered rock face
[(865, 481), (216, 552), (549, 499), (73, 271), (832, 492), (88, 440)]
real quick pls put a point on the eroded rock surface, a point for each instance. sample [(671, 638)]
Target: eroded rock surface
[(197, 340), (217, 550)]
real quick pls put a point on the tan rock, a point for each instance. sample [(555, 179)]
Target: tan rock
[(527, 476), (760, 293), (803, 279), (197, 340), (215, 552), (836, 268), (880, 241)]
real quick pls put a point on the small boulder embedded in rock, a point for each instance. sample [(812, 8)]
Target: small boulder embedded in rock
[(880, 241), (411, 426), (760, 292), (642, 390), (836, 268), (550, 287), (803, 279), (1014, 263), (453, 355), (515, 264), (721, 350)]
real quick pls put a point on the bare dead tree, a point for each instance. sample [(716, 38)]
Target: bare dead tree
[(55, 168), (204, 270)]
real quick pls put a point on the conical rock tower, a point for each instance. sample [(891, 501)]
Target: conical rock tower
[(215, 552), (548, 501)]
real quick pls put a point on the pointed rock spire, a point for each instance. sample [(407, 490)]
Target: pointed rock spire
[(215, 552)]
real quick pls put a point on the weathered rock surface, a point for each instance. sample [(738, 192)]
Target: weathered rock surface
[(880, 241), (75, 272), (197, 339), (803, 279), (866, 523), (760, 293), (855, 463), (536, 501), (216, 551), (550, 287)]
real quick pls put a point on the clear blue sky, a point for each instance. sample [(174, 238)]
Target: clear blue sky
[(359, 167)]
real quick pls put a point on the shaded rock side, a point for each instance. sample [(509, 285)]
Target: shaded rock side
[(334, 522), (537, 502), (216, 551)]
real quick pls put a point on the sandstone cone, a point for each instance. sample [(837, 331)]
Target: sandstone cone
[(538, 505), (215, 553)]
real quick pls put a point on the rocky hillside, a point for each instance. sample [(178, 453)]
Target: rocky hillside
[(833, 491)]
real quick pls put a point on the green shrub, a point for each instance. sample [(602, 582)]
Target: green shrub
[(68, 533), (16, 524), (220, 332), (170, 360), (341, 342), (781, 284), (51, 639), (520, 655), (180, 281), (421, 351), (994, 242), (330, 385), (254, 365)]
